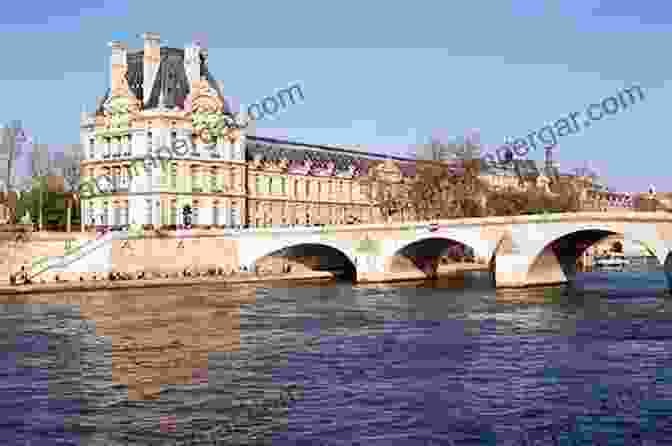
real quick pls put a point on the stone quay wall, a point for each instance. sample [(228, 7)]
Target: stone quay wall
[(150, 255)]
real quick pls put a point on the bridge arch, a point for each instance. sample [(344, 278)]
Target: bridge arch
[(557, 256), (426, 253), (315, 256)]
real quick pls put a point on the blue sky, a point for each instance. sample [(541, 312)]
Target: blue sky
[(383, 75)]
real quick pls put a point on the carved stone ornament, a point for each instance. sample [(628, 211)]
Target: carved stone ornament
[(119, 111), (388, 171), (542, 182), (207, 116), (256, 161), (275, 166)]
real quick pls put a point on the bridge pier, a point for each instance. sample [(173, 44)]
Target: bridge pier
[(511, 270), (370, 268)]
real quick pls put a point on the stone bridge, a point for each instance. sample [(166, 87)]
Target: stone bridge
[(519, 250)]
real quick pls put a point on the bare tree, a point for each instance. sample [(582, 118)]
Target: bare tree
[(12, 140), (71, 167)]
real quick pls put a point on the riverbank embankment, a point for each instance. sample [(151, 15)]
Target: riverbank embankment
[(238, 279)]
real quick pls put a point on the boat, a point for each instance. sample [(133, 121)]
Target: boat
[(613, 260)]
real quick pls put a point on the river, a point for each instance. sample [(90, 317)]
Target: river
[(451, 362)]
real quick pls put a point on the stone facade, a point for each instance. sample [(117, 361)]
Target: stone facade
[(166, 97)]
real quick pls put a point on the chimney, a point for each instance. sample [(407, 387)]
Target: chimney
[(151, 60), (192, 63), (118, 65)]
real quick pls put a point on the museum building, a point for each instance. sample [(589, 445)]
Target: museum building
[(166, 97), (161, 97)]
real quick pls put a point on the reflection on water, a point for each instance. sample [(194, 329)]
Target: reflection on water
[(158, 339), (411, 363)]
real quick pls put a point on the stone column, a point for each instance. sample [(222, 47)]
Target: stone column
[(370, 267)]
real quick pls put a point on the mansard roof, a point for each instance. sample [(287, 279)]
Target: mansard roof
[(270, 149), (171, 79)]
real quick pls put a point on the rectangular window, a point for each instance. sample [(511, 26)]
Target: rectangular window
[(117, 216), (106, 210), (235, 214), (148, 176), (108, 147), (194, 214), (173, 213), (92, 148), (279, 185), (213, 180), (148, 212), (149, 142), (195, 183), (124, 215)]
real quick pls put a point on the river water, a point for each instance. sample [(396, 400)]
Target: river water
[(451, 362)]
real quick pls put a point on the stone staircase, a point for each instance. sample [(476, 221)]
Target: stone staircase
[(90, 256)]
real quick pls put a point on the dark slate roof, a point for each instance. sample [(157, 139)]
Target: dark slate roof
[(171, 79), (269, 149)]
